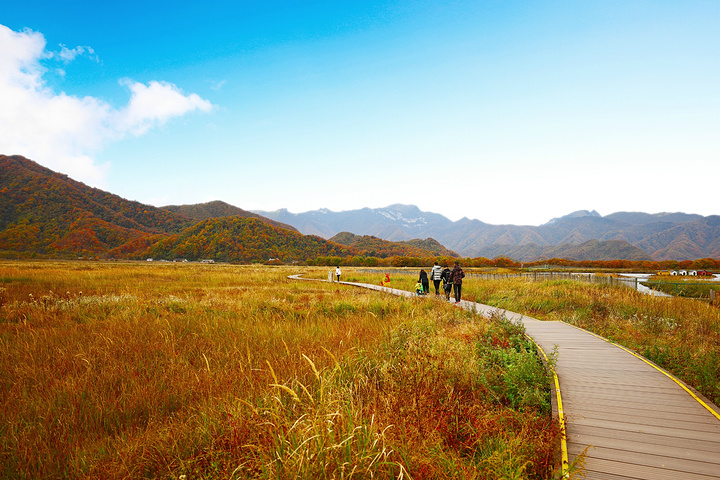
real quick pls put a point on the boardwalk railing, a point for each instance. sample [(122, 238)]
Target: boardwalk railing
[(534, 276), (545, 276)]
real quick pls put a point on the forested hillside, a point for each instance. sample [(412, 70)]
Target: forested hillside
[(238, 239), (597, 250), (47, 213), (218, 209), (371, 246)]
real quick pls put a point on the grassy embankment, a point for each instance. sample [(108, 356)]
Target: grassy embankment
[(682, 335), (135, 370)]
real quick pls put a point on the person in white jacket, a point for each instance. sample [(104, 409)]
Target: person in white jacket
[(436, 276), (337, 272)]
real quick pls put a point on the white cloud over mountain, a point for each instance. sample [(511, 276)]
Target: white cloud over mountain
[(63, 131), (154, 104)]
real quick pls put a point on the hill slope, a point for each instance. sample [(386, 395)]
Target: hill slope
[(589, 250), (218, 209), (241, 239), (46, 212), (368, 245)]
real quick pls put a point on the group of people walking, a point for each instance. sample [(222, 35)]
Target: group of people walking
[(451, 280)]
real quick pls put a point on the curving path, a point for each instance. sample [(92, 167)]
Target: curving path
[(632, 419)]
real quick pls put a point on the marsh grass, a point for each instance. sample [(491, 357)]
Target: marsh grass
[(162, 370), (679, 334)]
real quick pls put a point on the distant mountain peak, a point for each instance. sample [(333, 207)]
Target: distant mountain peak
[(575, 214), (664, 236), (408, 215)]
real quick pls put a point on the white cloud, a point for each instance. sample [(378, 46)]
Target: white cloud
[(62, 131), (154, 104), (19, 57)]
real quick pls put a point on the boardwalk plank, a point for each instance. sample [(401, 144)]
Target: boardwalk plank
[(649, 460), (612, 425), (639, 472), (670, 419), (645, 438), (591, 397), (647, 419), (608, 476), (693, 415), (643, 444)]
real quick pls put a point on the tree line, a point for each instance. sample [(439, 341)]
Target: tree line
[(504, 262)]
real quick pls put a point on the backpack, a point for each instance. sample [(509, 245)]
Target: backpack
[(445, 276)]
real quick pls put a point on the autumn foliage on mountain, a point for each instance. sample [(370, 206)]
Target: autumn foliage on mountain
[(238, 239), (47, 214), (371, 246), (218, 209)]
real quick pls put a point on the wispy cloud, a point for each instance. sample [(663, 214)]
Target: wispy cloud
[(217, 86), (69, 54), (62, 131)]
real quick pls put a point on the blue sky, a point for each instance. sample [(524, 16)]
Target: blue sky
[(507, 112)]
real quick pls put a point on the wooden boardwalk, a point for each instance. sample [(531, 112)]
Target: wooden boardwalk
[(632, 420)]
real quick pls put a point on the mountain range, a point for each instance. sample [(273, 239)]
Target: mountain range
[(581, 235), (45, 213)]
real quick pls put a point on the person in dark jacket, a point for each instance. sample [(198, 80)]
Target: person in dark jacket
[(425, 282), (447, 281), (457, 276)]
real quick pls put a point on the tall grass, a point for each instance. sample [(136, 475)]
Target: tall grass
[(158, 371), (681, 335)]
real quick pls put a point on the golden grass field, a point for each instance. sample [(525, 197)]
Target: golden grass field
[(681, 335), (139, 370)]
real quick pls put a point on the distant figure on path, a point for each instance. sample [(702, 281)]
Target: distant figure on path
[(424, 281), (337, 272), (447, 281), (436, 276), (386, 281), (457, 276)]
